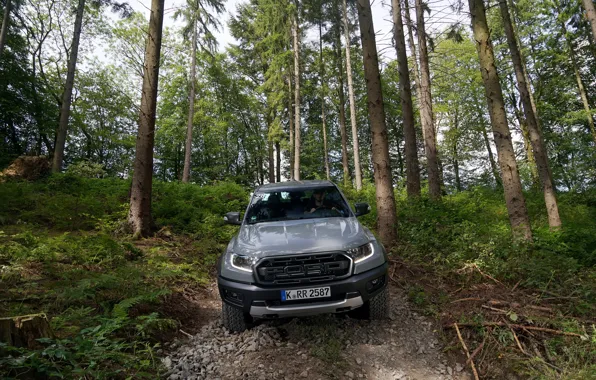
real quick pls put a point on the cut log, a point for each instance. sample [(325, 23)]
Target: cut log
[(24, 330)]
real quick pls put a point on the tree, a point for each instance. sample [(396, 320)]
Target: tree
[(70, 76), (296, 44), (342, 103), (534, 132), (411, 149), (67, 94), (5, 23), (514, 198), (322, 75), (139, 215), (580, 83), (197, 17), (590, 15), (387, 216), (355, 145), (426, 110)]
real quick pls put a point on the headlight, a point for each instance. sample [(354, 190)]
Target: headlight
[(244, 263), (361, 253)]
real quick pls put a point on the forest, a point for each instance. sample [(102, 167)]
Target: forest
[(127, 131)]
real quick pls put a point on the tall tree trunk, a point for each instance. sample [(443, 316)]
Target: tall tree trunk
[(455, 150), (590, 15), (271, 161), (580, 83), (407, 108), (296, 38), (342, 111), (523, 125), (324, 125), (386, 213), (139, 215), (352, 98), (291, 127), (538, 147), (191, 106), (277, 161), (5, 23), (67, 94), (413, 51), (491, 157), (426, 109), (514, 198)]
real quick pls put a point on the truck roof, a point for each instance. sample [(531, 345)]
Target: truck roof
[(293, 185)]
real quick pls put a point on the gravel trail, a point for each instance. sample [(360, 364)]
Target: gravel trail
[(323, 347)]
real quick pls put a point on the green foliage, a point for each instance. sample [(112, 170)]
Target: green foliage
[(86, 169), (62, 248)]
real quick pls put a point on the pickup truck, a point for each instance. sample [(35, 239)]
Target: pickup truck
[(301, 251)]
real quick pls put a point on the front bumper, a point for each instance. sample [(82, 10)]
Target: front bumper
[(265, 302)]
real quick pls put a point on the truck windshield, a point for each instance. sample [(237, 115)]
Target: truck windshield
[(275, 205)]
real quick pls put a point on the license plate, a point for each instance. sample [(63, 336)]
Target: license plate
[(302, 294)]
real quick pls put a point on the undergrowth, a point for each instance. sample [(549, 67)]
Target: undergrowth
[(64, 251)]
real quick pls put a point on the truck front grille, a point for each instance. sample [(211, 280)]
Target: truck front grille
[(303, 269)]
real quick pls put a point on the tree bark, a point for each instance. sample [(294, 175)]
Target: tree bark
[(352, 98), (5, 23), (491, 157), (67, 94), (278, 161), (514, 198), (324, 125), (538, 146), (413, 52), (271, 161), (139, 215), (191, 106), (291, 127), (342, 111), (407, 108), (580, 83), (296, 39), (455, 150), (386, 212), (590, 15), (426, 109)]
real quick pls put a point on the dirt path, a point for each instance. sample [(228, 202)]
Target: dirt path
[(324, 347)]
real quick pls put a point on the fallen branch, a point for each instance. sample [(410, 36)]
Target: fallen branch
[(517, 341), (487, 275), (461, 340), (185, 333), (467, 299), (519, 327), (476, 351)]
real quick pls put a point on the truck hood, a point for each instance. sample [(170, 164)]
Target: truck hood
[(300, 236)]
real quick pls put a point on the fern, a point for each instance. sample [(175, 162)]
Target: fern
[(121, 308)]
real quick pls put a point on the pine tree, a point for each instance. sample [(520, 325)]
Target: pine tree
[(411, 149), (426, 110), (514, 198), (139, 215), (387, 215)]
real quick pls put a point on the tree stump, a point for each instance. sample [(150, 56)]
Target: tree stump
[(24, 330)]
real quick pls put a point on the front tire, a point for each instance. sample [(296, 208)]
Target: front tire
[(378, 306), (234, 319)]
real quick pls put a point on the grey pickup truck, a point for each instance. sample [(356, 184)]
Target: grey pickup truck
[(301, 251)]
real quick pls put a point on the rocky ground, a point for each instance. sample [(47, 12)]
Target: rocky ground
[(406, 346)]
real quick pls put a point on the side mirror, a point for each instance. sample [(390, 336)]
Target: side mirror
[(361, 209), (233, 218)]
